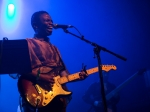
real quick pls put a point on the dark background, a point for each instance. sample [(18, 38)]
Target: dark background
[(122, 27)]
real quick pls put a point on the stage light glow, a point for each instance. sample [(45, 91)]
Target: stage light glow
[(11, 10), (10, 15)]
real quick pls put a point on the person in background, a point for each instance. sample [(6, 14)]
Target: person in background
[(93, 96)]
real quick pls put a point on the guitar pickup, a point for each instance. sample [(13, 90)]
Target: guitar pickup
[(38, 89)]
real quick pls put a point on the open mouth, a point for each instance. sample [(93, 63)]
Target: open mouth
[(49, 29)]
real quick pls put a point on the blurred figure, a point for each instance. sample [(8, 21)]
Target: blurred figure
[(93, 96)]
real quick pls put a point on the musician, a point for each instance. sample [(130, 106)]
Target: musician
[(93, 96), (45, 58)]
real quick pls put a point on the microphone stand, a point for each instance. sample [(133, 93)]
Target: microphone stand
[(97, 49), (0, 83)]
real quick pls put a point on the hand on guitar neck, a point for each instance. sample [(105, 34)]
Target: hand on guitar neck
[(82, 75)]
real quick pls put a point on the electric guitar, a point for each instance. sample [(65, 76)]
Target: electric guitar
[(38, 95)]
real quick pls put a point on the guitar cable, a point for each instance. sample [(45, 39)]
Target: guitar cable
[(37, 103)]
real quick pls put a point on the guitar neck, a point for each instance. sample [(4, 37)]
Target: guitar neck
[(76, 76), (108, 96)]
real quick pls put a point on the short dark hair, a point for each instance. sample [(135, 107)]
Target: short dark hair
[(35, 17)]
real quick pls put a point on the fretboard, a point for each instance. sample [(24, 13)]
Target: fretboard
[(75, 76)]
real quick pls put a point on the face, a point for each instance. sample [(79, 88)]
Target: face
[(44, 26)]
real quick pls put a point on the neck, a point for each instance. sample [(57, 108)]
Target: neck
[(41, 37)]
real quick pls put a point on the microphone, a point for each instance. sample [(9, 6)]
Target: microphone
[(56, 26)]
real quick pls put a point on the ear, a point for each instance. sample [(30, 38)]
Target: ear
[(35, 26)]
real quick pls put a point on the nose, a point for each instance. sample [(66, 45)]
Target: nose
[(50, 23)]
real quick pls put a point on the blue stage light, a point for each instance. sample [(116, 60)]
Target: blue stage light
[(10, 10), (10, 15)]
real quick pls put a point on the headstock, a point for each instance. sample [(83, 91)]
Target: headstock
[(107, 68)]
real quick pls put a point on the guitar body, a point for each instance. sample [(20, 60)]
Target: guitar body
[(40, 94)]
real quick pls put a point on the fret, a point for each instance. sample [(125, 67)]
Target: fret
[(63, 80)]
